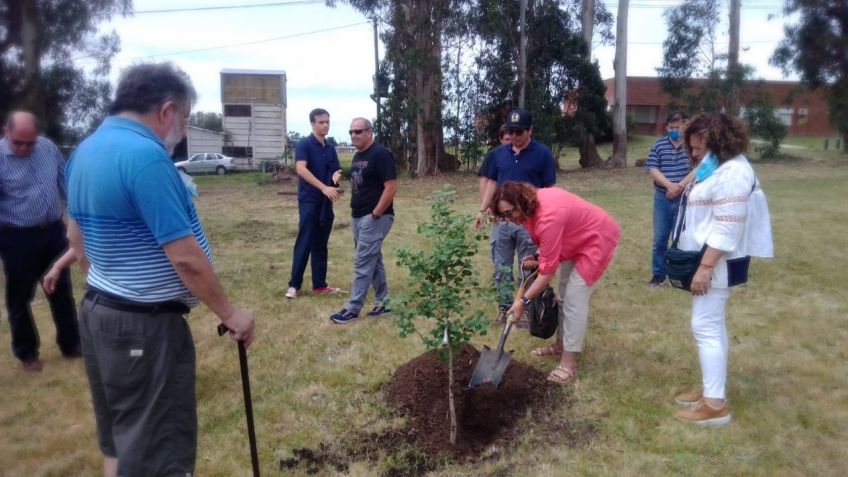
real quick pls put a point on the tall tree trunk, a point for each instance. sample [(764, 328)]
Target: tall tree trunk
[(619, 111), (522, 56), (733, 74), (31, 46), (451, 405), (589, 156), (587, 19), (425, 26)]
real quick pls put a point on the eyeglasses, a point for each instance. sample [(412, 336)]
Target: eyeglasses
[(356, 132), (506, 213), (517, 132), (23, 143)]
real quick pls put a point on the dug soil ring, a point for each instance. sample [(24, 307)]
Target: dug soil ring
[(485, 415)]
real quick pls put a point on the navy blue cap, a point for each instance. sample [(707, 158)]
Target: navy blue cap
[(519, 119)]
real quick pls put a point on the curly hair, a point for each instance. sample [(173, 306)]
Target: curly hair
[(521, 196), (726, 136)]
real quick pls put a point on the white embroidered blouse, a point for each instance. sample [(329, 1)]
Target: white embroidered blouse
[(728, 211)]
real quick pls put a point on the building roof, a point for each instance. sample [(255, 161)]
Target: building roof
[(238, 71), (205, 130)]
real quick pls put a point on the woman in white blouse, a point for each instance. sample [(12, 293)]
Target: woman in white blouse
[(726, 216)]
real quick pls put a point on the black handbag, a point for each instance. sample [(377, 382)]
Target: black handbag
[(544, 314), (681, 265)]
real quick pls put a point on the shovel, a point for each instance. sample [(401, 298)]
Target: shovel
[(248, 401), (492, 363)]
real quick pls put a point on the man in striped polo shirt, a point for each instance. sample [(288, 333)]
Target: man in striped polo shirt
[(669, 166), (32, 236), (148, 262)]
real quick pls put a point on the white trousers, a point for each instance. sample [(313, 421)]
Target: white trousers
[(573, 295), (710, 332)]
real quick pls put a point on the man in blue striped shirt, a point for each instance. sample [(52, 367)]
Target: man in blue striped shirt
[(32, 236), (148, 261), (669, 166)]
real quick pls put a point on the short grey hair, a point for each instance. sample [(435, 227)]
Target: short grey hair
[(146, 86)]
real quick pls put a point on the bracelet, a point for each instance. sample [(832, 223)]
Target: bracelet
[(708, 267), (524, 300)]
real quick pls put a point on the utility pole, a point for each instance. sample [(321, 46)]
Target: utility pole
[(522, 65), (376, 73)]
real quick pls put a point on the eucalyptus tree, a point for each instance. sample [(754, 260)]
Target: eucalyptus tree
[(413, 34), (815, 46), (565, 92), (42, 47)]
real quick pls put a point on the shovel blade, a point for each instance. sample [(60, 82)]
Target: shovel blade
[(490, 367)]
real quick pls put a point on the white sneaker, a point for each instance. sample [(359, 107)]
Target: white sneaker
[(291, 293)]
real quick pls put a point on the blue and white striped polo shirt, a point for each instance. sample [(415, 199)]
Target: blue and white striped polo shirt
[(32, 188), (128, 200), (673, 163)]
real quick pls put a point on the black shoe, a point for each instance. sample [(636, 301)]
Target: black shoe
[(379, 310), (656, 281)]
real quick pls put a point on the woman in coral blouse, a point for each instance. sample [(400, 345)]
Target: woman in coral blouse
[(576, 238)]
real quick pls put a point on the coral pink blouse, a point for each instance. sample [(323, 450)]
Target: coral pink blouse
[(566, 227)]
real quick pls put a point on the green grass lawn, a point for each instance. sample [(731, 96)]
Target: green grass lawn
[(315, 382)]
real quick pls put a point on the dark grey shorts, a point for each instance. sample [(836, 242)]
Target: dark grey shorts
[(141, 371)]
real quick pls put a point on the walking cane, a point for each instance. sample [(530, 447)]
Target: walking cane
[(248, 401)]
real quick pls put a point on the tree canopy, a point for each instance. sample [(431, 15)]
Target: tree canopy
[(816, 47), (39, 42)]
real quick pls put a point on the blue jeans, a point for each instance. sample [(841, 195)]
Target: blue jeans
[(507, 239), (368, 269), (665, 217), (313, 233)]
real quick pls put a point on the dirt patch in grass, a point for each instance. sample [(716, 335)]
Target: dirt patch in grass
[(489, 419), (418, 390)]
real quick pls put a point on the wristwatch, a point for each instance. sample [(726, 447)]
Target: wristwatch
[(374, 216)]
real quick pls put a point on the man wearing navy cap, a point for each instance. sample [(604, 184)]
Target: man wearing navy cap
[(527, 161)]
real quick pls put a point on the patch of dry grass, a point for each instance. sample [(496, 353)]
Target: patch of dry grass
[(315, 382)]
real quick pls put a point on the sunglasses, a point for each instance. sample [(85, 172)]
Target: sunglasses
[(356, 132), (517, 132), (506, 213), (23, 143)]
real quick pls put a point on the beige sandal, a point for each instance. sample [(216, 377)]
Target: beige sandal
[(561, 375)]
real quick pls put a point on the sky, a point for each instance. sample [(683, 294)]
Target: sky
[(328, 53)]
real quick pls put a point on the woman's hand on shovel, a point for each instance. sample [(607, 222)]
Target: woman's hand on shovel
[(241, 326)]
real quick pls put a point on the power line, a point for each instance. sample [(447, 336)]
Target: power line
[(230, 7), (233, 45)]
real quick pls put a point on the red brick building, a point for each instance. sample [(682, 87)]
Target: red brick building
[(803, 111)]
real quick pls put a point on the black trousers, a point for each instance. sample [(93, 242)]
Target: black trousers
[(27, 255)]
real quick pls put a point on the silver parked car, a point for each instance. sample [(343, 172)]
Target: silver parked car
[(207, 162)]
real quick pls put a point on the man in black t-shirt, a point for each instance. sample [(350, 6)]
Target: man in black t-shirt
[(374, 184)]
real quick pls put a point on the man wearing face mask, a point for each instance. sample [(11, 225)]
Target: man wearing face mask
[(669, 166), (32, 236), (136, 233)]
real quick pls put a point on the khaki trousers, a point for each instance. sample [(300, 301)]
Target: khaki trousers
[(573, 295)]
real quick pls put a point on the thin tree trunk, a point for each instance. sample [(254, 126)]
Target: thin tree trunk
[(31, 46), (589, 156), (451, 404), (733, 75), (619, 111)]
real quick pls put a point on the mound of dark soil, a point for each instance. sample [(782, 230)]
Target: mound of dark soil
[(418, 390)]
